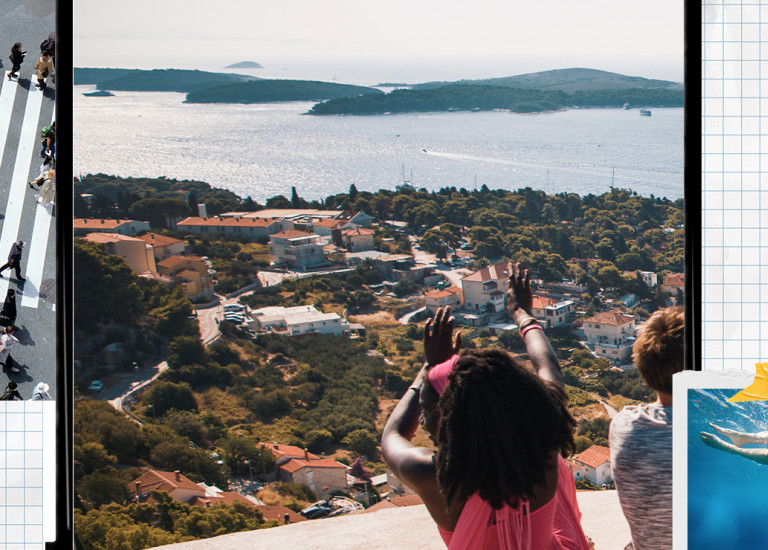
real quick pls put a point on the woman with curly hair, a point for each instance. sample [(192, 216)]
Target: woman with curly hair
[(497, 479)]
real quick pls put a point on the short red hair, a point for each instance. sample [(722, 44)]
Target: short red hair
[(658, 350)]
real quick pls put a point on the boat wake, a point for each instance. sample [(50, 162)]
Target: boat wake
[(590, 170)]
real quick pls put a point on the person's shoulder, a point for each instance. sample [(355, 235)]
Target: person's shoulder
[(640, 424)]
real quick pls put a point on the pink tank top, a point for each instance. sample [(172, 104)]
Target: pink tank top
[(554, 526)]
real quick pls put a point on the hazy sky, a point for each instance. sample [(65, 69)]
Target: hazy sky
[(366, 41)]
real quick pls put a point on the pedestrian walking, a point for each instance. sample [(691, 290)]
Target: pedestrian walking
[(44, 186), (41, 393), (11, 392), (49, 46), (17, 56), (48, 140), (14, 260), (8, 313), (7, 339), (44, 68)]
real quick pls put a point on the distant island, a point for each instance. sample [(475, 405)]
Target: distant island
[(566, 80), (244, 65), (528, 93), (267, 91), (155, 80), (100, 93)]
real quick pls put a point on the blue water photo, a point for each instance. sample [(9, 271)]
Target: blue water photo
[(727, 493)]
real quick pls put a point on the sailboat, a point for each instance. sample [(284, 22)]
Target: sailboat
[(406, 185)]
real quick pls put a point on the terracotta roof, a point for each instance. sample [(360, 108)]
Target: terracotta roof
[(397, 502), (358, 231), (614, 317), (288, 451), (162, 481), (158, 240), (540, 302), (494, 272), (173, 261), (296, 464), (443, 293), (91, 223), (293, 234), (108, 237), (216, 221), (278, 513), (330, 223), (575, 468), (675, 279), (594, 456), (224, 497)]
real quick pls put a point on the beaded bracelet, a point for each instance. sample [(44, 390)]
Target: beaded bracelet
[(528, 328), (526, 323)]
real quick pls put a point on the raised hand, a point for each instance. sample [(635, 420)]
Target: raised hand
[(519, 295), (439, 344)]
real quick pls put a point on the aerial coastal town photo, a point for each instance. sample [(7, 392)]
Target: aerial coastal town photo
[(376, 278)]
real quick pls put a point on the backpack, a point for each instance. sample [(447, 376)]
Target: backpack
[(8, 395)]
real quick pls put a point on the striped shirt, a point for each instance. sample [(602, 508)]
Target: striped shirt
[(641, 462)]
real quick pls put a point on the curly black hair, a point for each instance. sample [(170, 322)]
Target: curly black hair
[(499, 426)]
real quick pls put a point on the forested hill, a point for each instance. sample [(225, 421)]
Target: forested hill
[(470, 97), (565, 80), (265, 91), (155, 80)]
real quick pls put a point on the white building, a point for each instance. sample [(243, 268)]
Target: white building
[(253, 229), (486, 286), (296, 249), (123, 227), (597, 462), (612, 334), (292, 321), (448, 297), (551, 313)]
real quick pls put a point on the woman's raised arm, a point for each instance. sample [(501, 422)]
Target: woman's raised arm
[(519, 305)]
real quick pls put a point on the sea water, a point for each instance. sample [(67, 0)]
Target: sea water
[(263, 150), (727, 494)]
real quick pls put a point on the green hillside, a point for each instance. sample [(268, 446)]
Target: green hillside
[(566, 80), (155, 80), (265, 91), (468, 97)]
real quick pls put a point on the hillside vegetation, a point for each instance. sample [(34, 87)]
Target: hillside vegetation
[(565, 80), (470, 97), (155, 80), (266, 91)]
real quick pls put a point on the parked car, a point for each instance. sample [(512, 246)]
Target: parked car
[(96, 385), (317, 510)]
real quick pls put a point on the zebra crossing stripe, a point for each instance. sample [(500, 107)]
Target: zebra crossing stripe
[(7, 95), (18, 191), (37, 250)]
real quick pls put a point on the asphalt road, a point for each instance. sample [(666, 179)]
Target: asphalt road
[(24, 110)]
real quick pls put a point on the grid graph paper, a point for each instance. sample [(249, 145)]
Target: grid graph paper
[(27, 474), (734, 187)]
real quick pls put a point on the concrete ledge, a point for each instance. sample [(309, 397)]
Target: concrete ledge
[(410, 527)]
